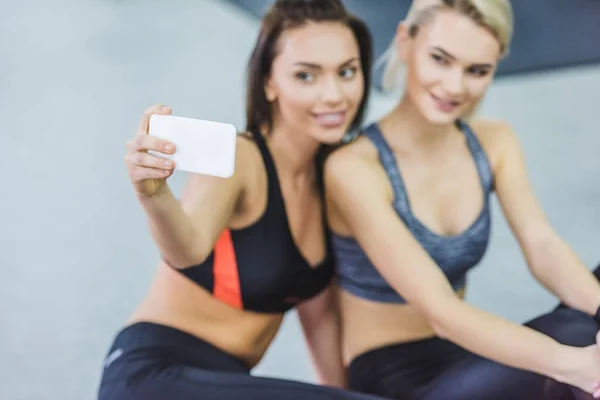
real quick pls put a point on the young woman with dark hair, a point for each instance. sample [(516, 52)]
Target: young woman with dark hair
[(237, 253)]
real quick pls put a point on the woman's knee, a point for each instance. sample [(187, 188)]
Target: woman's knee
[(567, 326)]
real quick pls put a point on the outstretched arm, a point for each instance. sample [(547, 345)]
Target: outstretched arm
[(552, 262), (185, 230), (356, 194), (320, 321)]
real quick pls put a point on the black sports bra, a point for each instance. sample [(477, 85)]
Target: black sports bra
[(260, 268)]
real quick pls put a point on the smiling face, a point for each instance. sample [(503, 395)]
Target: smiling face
[(316, 83), (450, 64)]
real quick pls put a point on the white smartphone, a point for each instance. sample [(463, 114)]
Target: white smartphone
[(201, 147)]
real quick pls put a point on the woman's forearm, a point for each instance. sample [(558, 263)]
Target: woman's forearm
[(326, 353), (557, 267), (321, 325), (170, 226), (498, 339)]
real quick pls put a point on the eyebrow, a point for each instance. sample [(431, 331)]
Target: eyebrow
[(316, 66), (452, 57)]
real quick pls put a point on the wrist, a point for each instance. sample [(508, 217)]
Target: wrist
[(161, 192), (565, 361)]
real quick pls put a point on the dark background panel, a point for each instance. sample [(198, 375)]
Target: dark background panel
[(549, 34)]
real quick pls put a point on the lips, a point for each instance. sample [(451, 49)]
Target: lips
[(445, 105), (330, 119)]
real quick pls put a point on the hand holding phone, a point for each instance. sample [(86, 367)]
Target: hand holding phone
[(202, 147), (148, 173)]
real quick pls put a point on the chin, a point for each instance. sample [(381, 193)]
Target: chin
[(437, 118), (330, 136), (330, 126)]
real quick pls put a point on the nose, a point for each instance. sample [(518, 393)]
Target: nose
[(332, 92), (454, 84)]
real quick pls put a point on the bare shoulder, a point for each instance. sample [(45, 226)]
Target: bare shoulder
[(354, 179), (497, 137), (361, 147), (356, 164), (359, 155)]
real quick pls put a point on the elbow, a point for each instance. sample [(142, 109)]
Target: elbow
[(441, 317), (537, 255), (199, 246), (181, 260), (439, 328), (542, 251), (184, 256), (183, 249)]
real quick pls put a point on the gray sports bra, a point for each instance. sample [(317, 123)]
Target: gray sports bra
[(455, 255)]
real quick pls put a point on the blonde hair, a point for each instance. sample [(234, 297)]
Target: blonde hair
[(494, 15)]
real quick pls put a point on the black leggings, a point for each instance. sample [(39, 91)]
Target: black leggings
[(434, 369), (151, 362)]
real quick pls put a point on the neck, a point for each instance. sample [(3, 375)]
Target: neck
[(293, 152), (417, 133)]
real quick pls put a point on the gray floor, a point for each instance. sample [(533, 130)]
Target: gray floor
[(76, 256)]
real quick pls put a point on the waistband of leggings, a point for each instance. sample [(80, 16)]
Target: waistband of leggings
[(181, 344), (408, 354)]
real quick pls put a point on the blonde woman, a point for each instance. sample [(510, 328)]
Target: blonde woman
[(409, 207)]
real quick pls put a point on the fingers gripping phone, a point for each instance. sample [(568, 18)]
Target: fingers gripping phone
[(201, 147)]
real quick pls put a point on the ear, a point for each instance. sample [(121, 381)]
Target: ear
[(270, 90), (403, 40)]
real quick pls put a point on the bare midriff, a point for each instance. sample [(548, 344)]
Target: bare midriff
[(176, 301)]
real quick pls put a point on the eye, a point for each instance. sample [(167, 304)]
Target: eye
[(348, 73), (305, 76), (479, 71), (439, 59)]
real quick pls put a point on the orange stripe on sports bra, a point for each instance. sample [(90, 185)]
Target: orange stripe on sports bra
[(225, 272)]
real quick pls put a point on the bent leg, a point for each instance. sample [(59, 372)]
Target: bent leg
[(477, 377), (596, 273), (572, 328), (149, 361), (183, 383), (468, 376), (432, 369)]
